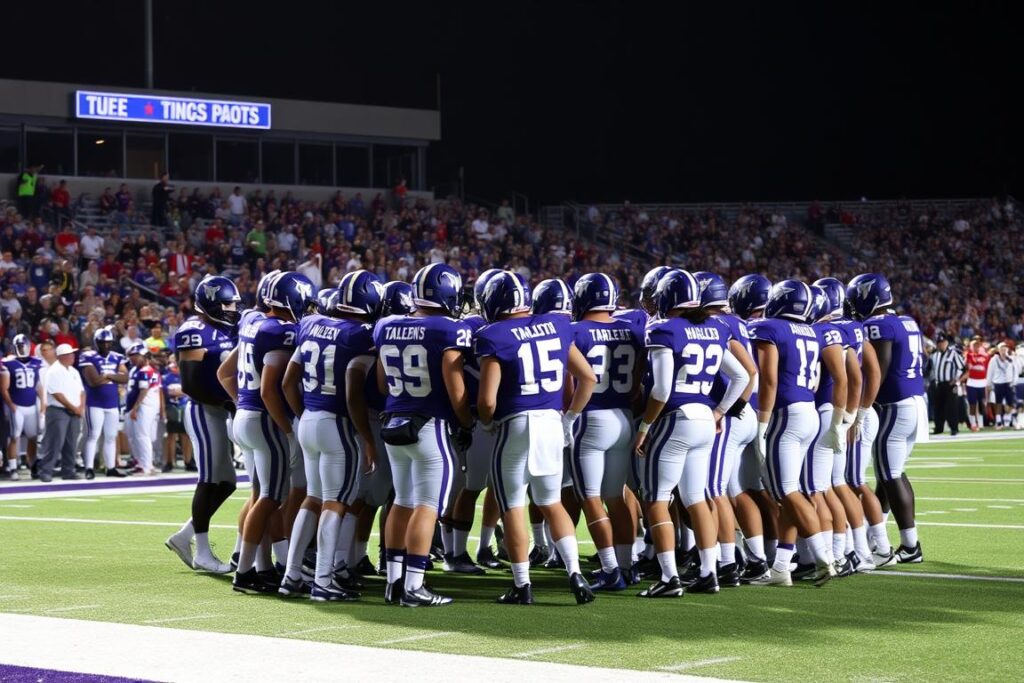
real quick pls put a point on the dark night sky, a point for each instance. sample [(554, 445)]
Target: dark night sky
[(574, 100)]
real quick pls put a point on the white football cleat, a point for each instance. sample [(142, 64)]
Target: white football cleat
[(211, 564), (774, 578), (180, 547)]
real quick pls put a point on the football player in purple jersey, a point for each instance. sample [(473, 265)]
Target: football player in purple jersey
[(421, 369), (22, 392), (201, 344), (263, 420), (738, 430), (687, 350), (324, 387), (788, 361), (102, 371), (603, 440), (898, 343), (523, 363)]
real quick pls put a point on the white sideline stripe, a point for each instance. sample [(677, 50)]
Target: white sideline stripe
[(413, 638), (74, 520), (141, 500), (74, 608), (82, 500), (1001, 507), (968, 526), (549, 650), (171, 620), (965, 480), (963, 510), (683, 666), (973, 500), (23, 507), (958, 577), (316, 630), (125, 650)]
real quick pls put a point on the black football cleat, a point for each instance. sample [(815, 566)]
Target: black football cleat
[(293, 588), (703, 584), (823, 573), (486, 558), (347, 579), (690, 573), (90, 474), (364, 567), (234, 561), (332, 593), (423, 597), (729, 576), (116, 472), (251, 583), (905, 555), (393, 592), (756, 570), (663, 589), (843, 567), (539, 555), (580, 589), (803, 572), (271, 577), (462, 564), (554, 562), (517, 595)]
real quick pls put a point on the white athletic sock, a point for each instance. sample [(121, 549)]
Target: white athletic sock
[(538, 533), (849, 538), (446, 539), (689, 541), (783, 557), (881, 538), (189, 531), (302, 533), (281, 551), (908, 537), (708, 556), (12, 465), (358, 551), (972, 420), (459, 539), (346, 535), (203, 545), (624, 556), (238, 541), (521, 573), (639, 546), (247, 556), (326, 541), (413, 577), (395, 567), (486, 536), (668, 565), (820, 552), (755, 544), (264, 561), (839, 546), (570, 553), (828, 534), (548, 540), (860, 542), (609, 562), (728, 552)]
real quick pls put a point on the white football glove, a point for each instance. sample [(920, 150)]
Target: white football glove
[(568, 420), (761, 442)]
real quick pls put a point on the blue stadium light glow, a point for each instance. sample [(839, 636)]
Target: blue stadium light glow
[(187, 111)]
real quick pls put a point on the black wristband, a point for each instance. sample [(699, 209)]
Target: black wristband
[(737, 408)]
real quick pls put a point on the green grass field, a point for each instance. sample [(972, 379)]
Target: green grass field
[(878, 627)]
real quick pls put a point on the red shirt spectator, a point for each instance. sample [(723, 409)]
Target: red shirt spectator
[(179, 263), (60, 196), (111, 267), (66, 241), (214, 233)]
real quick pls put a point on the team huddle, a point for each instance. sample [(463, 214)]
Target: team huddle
[(714, 437)]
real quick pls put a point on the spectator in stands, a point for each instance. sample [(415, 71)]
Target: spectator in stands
[(90, 277), (237, 206), (399, 192), (215, 232), (9, 303), (66, 242), (108, 202), (27, 181), (162, 193), (124, 204), (256, 241), (91, 245), (7, 262), (155, 342), (60, 201), (63, 278)]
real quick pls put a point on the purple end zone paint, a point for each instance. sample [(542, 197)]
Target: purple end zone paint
[(24, 674)]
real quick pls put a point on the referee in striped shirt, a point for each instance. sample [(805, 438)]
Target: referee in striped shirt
[(949, 371)]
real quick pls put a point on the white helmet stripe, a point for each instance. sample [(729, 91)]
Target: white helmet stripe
[(810, 298), (519, 287), (611, 288), (694, 287)]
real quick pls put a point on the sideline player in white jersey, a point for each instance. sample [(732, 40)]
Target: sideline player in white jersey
[(687, 350), (603, 440), (22, 392), (263, 420), (145, 404), (788, 351), (421, 368), (102, 371), (523, 361), (738, 430), (324, 387), (201, 343)]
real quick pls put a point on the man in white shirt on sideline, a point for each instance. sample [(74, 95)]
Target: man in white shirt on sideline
[(65, 404)]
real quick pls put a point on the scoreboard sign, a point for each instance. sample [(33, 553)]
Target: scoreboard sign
[(188, 111)]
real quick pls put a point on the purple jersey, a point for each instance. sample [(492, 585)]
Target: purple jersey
[(105, 395), (903, 378), (853, 335), (612, 350), (799, 355), (829, 334), (533, 353), (697, 353), (24, 374), (637, 316), (194, 334), (738, 331), (145, 377), (255, 340), (472, 367), (410, 349), (326, 346)]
